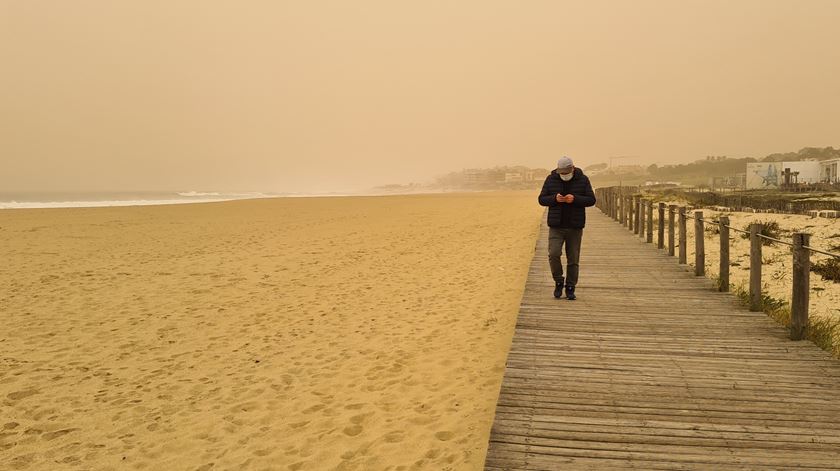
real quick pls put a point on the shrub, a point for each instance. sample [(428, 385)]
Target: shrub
[(829, 269), (824, 332), (768, 229)]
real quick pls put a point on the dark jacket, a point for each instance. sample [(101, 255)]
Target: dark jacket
[(567, 215)]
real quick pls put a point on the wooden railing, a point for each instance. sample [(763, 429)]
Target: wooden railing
[(632, 210)]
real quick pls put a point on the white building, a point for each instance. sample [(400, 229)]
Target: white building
[(763, 175), (829, 171)]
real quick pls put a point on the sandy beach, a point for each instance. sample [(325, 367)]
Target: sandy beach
[(351, 333)]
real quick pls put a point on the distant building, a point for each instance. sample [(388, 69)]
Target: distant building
[(773, 175), (829, 171), (477, 175), (513, 177), (730, 181)]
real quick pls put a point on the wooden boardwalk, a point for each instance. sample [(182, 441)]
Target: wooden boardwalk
[(650, 368)]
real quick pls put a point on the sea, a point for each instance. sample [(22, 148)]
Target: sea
[(17, 200)]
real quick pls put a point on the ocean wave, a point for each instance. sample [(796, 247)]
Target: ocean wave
[(252, 194), (159, 199), (99, 204), (199, 193)]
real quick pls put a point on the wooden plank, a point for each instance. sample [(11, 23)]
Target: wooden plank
[(575, 432), (658, 426)]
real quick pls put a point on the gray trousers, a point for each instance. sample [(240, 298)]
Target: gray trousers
[(571, 238)]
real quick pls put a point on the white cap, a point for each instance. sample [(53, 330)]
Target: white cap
[(564, 162)]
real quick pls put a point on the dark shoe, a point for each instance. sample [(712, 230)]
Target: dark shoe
[(558, 290), (570, 293)]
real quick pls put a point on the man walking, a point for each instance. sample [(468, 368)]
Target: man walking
[(567, 192)]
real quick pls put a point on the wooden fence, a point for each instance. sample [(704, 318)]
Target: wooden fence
[(631, 209)]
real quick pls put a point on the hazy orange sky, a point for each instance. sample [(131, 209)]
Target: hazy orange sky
[(319, 95)]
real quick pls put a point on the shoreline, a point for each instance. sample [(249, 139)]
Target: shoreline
[(107, 203), (17, 205)]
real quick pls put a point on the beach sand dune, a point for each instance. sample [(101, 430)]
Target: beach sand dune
[(295, 333)]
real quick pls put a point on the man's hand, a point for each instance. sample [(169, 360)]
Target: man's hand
[(570, 198), (560, 198)]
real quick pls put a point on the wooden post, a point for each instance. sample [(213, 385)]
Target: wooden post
[(621, 207), (723, 228), (699, 245), (642, 212), (682, 257), (629, 223), (801, 282), (649, 237), (604, 197), (661, 228), (637, 204), (755, 267), (623, 217), (614, 200), (602, 201), (616, 204), (627, 211), (672, 209)]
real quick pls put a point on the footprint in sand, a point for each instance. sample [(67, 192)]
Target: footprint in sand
[(395, 437), (358, 419), (444, 435), (52, 435), (433, 453), (18, 395), (353, 430), (314, 408)]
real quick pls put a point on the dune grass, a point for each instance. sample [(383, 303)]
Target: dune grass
[(824, 332)]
